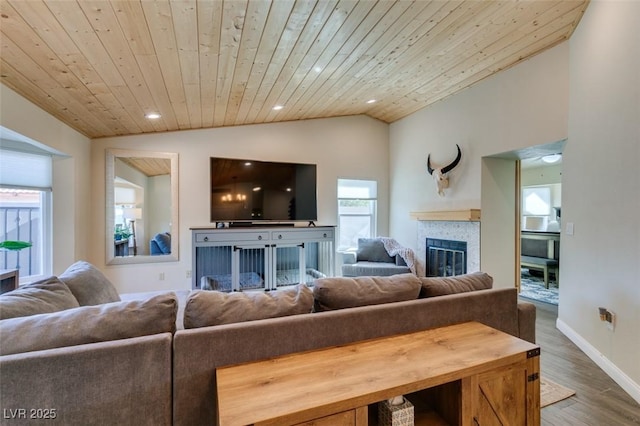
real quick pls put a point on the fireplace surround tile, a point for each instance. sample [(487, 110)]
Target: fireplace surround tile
[(468, 231)]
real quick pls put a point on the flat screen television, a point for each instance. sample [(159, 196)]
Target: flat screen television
[(245, 191)]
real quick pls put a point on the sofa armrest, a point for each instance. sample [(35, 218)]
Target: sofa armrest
[(527, 321), (348, 257), (124, 381)]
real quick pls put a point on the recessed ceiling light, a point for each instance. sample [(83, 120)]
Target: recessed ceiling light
[(371, 101), (248, 163), (277, 107), (317, 69), (152, 115)]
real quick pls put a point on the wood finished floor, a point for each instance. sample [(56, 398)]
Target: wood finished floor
[(599, 401)]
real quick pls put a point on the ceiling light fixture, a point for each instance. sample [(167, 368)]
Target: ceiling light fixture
[(371, 101), (152, 115), (277, 107), (552, 158)]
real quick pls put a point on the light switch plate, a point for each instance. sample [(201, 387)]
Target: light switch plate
[(569, 228)]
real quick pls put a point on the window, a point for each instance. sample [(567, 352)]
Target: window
[(25, 212), (536, 201), (356, 211), (536, 208)]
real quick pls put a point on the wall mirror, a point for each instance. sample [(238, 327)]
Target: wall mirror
[(141, 207)]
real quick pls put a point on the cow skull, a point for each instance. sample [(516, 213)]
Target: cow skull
[(440, 175)]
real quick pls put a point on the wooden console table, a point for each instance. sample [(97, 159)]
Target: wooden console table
[(9, 280), (465, 374)]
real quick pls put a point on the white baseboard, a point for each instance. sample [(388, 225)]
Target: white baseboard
[(625, 382)]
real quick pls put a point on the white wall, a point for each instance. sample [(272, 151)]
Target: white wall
[(158, 217), (71, 186), (601, 190), (498, 224), (524, 106), (345, 147), (544, 175)]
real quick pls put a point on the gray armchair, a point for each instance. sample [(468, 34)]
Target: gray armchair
[(372, 259), (160, 244)]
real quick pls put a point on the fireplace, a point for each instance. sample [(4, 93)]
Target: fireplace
[(457, 225), (445, 258)]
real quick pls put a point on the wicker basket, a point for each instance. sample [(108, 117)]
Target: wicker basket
[(395, 415)]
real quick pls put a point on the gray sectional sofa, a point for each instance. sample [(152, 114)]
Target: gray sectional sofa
[(131, 362)]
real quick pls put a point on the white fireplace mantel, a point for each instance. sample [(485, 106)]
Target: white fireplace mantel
[(468, 215)]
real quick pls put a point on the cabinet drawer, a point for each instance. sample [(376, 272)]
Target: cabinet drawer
[(230, 237), (305, 235)]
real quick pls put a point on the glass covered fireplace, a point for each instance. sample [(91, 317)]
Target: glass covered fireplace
[(445, 258)]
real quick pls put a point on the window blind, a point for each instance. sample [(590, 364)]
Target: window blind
[(358, 189), (25, 170)]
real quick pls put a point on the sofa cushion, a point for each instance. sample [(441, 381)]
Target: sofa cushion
[(207, 308), (380, 269), (89, 324), (344, 292), (372, 250), (440, 286), (48, 295), (89, 285), (181, 296)]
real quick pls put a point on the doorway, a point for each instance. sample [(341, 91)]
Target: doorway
[(540, 224), (503, 217)]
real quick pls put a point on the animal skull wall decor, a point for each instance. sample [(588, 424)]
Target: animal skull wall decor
[(440, 175)]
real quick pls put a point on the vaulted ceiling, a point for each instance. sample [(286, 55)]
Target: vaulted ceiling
[(101, 65)]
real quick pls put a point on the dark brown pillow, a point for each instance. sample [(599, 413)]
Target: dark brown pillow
[(440, 286), (207, 308), (41, 297), (89, 285), (346, 292), (89, 324)]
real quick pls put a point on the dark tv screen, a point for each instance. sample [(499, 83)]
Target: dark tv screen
[(249, 190)]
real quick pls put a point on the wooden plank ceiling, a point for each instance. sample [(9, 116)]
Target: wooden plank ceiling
[(101, 65), (149, 166)]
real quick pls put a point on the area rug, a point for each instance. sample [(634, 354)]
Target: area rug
[(551, 392), (532, 287)]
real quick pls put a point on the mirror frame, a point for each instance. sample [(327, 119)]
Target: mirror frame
[(111, 259)]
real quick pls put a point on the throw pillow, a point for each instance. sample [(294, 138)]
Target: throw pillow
[(207, 308), (440, 286), (89, 285), (344, 292), (89, 324), (48, 295), (372, 250)]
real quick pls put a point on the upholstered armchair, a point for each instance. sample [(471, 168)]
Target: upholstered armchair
[(160, 244), (372, 259)]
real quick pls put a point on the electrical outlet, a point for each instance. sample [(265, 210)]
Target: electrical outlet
[(189, 274), (608, 317), (611, 321), (161, 277)]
